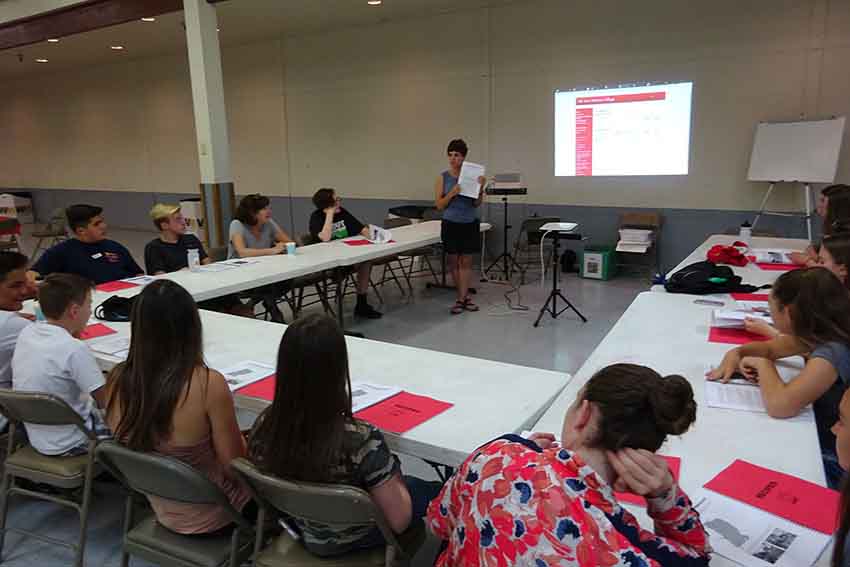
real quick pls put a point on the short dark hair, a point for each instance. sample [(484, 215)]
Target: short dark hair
[(11, 261), (837, 217), (79, 216), (249, 206), (58, 291), (834, 189), (458, 146), (324, 198), (639, 407)]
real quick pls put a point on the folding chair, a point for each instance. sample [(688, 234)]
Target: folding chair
[(23, 461), (53, 232), (337, 505), (150, 474)]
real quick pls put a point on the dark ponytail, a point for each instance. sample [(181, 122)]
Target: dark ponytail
[(639, 408)]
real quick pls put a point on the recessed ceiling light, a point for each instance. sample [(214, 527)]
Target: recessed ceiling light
[(41, 60), (116, 47), (53, 40), (374, 2), (148, 19)]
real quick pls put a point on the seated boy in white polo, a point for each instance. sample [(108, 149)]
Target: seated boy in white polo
[(50, 358)]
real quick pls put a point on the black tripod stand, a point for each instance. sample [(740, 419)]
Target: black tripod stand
[(509, 263), (556, 291)]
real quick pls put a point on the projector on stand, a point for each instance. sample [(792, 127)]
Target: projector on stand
[(507, 184)]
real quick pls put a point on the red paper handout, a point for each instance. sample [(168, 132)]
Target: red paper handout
[(675, 464), (363, 242), (733, 336), (402, 412), (786, 496), (117, 285), (95, 331), (749, 296), (263, 389), (777, 267)]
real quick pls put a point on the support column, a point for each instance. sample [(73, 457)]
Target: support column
[(217, 193)]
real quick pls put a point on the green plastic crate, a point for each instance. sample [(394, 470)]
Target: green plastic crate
[(598, 263)]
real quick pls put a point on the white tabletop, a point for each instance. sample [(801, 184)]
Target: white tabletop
[(490, 398), (668, 333), (311, 259), (750, 274)]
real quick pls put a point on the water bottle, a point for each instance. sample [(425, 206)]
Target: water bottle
[(193, 259), (746, 233)]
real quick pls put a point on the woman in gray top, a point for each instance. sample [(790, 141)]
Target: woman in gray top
[(254, 233)]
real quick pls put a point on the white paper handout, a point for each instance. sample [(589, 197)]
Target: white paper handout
[(217, 267), (468, 179), (741, 395), (113, 346), (140, 280), (771, 255), (751, 537), (734, 318), (365, 394), (244, 373)]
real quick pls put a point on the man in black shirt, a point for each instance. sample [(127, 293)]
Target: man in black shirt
[(89, 254), (169, 252), (329, 222)]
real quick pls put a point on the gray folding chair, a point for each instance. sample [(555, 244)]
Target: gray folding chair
[(24, 462), (53, 232), (337, 505), (150, 474)]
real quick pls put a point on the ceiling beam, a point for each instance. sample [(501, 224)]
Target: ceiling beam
[(80, 18)]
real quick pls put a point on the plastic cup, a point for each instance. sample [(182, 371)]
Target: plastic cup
[(290, 248)]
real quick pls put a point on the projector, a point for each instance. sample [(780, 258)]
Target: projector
[(559, 227)]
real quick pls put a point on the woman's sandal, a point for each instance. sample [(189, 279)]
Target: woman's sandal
[(458, 308), (468, 305)]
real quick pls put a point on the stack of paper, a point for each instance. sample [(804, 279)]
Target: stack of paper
[(244, 373), (771, 255), (635, 240), (734, 318), (468, 179), (759, 517)]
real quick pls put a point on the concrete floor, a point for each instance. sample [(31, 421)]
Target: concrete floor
[(496, 332)]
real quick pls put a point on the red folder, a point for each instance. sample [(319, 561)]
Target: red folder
[(263, 389), (786, 496), (95, 331), (117, 285), (402, 412), (778, 267), (749, 296), (675, 464), (733, 336), (363, 242)]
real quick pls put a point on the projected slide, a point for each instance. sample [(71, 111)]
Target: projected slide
[(623, 131)]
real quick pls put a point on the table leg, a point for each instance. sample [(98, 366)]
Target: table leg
[(339, 277)]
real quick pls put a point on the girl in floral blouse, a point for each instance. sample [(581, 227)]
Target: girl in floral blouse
[(522, 502)]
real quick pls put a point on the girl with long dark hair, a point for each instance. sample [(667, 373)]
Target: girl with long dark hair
[(811, 309), (309, 434), (841, 429), (164, 399)]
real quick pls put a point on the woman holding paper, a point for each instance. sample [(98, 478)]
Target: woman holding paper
[(460, 231)]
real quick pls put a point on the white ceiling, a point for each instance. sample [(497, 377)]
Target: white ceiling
[(241, 21)]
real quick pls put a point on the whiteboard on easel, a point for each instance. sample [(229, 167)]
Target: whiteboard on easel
[(797, 151)]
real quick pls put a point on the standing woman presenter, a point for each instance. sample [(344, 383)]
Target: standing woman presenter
[(460, 231)]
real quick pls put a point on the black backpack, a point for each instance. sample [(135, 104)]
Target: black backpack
[(115, 308), (703, 278)]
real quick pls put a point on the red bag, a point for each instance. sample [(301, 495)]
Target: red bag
[(733, 255)]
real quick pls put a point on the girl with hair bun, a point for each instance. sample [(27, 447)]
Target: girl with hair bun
[(811, 309), (519, 501)]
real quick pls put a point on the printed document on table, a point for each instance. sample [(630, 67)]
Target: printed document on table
[(140, 280), (772, 255), (216, 267), (113, 346), (244, 373), (468, 179), (754, 538), (741, 395), (365, 394)]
